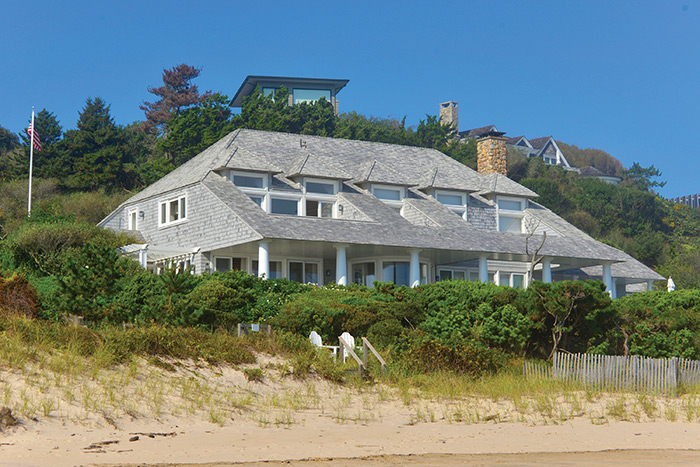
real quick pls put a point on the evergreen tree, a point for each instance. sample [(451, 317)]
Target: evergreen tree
[(94, 155), (197, 128), (176, 94)]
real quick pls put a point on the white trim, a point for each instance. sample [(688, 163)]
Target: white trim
[(509, 213), (164, 207), (459, 209), (135, 212)]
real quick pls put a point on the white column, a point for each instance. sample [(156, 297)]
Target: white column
[(263, 260), (547, 270), (497, 278), (143, 256), (341, 265), (607, 277), (414, 268), (614, 288), (483, 269), (650, 286)]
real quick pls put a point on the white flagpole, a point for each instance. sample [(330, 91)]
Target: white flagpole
[(31, 162)]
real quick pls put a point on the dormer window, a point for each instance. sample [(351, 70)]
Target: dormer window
[(249, 180), (454, 201), (510, 214), (390, 195), (320, 197), (253, 184)]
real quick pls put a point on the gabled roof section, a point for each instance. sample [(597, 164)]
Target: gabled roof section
[(478, 132), (519, 141), (243, 159), (540, 143), (310, 165), (496, 183), (376, 172)]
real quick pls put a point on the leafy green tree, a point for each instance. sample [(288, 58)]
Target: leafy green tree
[(197, 128), (177, 93), (597, 158)]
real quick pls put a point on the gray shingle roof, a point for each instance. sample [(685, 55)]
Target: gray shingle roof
[(496, 183), (539, 143), (378, 224), (312, 166), (477, 132)]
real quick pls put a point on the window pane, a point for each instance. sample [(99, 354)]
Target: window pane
[(183, 210), (239, 264), (222, 264), (163, 215), (296, 271), (455, 200), (257, 200), (326, 209), (510, 205), (510, 224), (388, 193), (311, 95), (473, 276), (518, 280), (248, 181), (459, 275), (396, 272), (275, 269), (284, 206), (269, 91), (312, 208), (445, 275), (323, 188), (311, 273), (173, 211)]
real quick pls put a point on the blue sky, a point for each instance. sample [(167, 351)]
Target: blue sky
[(622, 76)]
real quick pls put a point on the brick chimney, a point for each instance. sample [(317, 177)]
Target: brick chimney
[(449, 114), (491, 154)]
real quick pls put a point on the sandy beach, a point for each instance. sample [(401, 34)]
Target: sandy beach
[(154, 420)]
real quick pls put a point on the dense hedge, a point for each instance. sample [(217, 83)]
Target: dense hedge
[(459, 325)]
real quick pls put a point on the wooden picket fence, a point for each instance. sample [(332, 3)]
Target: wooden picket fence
[(616, 373)]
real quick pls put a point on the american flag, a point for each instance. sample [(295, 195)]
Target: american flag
[(35, 138)]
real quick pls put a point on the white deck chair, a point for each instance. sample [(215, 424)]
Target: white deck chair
[(316, 340), (350, 341)]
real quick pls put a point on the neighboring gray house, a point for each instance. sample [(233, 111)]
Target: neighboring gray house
[(324, 210), (545, 148)]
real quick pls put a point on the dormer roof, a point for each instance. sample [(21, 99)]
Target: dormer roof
[(309, 165), (495, 183)]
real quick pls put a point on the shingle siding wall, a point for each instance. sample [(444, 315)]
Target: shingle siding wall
[(415, 217), (208, 225), (481, 216), (350, 212)]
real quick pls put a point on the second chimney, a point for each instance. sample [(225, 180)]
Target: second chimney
[(449, 114), (491, 155)]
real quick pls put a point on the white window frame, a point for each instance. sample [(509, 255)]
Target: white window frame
[(257, 192), (389, 202), (164, 208), (320, 197), (135, 213), (459, 209), (299, 199), (513, 214), (304, 262), (468, 272)]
